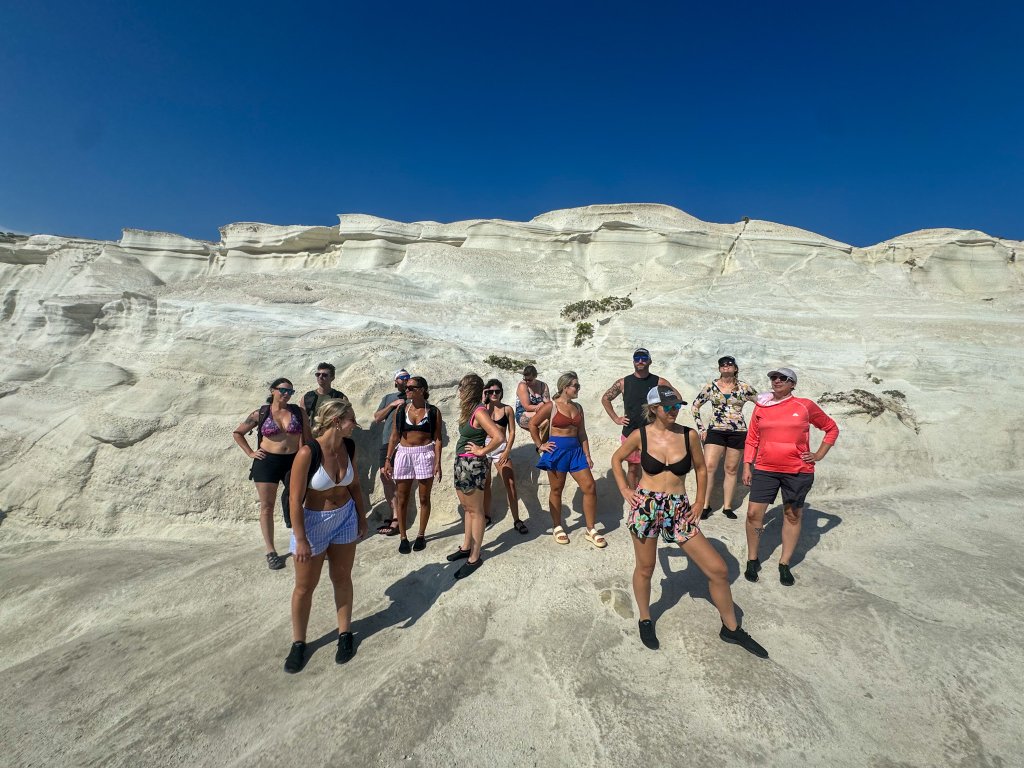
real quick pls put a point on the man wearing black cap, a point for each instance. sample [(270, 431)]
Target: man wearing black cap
[(634, 391)]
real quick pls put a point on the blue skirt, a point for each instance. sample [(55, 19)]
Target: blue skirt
[(567, 456)]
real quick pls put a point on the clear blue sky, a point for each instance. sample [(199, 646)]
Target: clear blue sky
[(858, 121)]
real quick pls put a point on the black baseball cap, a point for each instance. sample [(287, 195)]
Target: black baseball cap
[(662, 395), (641, 352), (727, 360)]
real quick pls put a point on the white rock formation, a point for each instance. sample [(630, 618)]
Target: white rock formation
[(128, 364)]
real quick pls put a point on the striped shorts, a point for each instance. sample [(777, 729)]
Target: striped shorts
[(413, 462), (329, 526)]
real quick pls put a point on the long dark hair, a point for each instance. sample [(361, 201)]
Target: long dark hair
[(277, 383), (423, 383)]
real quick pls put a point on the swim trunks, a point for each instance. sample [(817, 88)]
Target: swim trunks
[(664, 514)]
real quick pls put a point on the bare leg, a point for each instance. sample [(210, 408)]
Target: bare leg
[(424, 496), (267, 493), (791, 520), (732, 465), (339, 559), (700, 551), (646, 552), (557, 482), (472, 503), (487, 489), (712, 456), (585, 480), (307, 576), (755, 527), (508, 478), (403, 489)]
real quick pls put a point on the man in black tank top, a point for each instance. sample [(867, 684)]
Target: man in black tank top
[(634, 389)]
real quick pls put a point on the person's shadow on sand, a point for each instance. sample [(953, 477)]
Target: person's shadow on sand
[(815, 524), (411, 597), (691, 580)]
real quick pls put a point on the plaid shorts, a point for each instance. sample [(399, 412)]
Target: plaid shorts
[(329, 526)]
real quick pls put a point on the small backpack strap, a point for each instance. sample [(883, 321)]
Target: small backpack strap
[(643, 439)]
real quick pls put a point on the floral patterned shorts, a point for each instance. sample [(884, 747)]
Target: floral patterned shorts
[(470, 473), (662, 513)]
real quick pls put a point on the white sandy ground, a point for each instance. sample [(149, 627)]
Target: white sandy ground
[(140, 626)]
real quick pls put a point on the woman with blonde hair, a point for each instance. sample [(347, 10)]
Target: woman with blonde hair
[(281, 428), (414, 456), (659, 507), (471, 469), (325, 487), (567, 452)]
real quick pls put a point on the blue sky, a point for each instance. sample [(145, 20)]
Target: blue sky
[(858, 121)]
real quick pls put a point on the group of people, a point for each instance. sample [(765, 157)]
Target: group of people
[(310, 450)]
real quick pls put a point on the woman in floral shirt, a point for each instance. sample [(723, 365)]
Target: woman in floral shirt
[(728, 430)]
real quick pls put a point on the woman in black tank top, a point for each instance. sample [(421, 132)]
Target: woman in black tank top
[(659, 507), (504, 417)]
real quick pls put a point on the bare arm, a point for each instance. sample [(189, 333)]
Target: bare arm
[(631, 444), (307, 433), (393, 441), (511, 416), (535, 422), (297, 490), (697, 455), (437, 445), (355, 490), (606, 400), (382, 414), (486, 423), (252, 420), (581, 435)]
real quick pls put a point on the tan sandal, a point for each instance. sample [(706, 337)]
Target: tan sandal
[(560, 535), (595, 538)]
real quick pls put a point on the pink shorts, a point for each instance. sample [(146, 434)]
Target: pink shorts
[(413, 462), (634, 457)]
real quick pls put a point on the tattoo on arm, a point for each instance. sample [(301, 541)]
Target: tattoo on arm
[(613, 391)]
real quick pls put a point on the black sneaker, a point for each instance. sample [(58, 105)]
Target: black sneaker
[(739, 637), (729, 513), (647, 636), (468, 569), (296, 658), (346, 648), (458, 554), (420, 544), (785, 577), (404, 547), (705, 513), (753, 567)]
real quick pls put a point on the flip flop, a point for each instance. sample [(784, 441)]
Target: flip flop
[(389, 528), (561, 537), (595, 538), (520, 526)]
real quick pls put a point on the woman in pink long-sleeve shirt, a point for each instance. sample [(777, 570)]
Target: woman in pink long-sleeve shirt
[(777, 456)]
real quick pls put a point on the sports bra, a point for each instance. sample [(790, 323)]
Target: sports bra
[(566, 421), (652, 466), (270, 427), (503, 421)]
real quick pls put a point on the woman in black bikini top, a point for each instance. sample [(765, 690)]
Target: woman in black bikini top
[(659, 508)]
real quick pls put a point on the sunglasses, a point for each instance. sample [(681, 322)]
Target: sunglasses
[(671, 408), (414, 386), (286, 391), (402, 378), (780, 378), (492, 391), (322, 374), (641, 359)]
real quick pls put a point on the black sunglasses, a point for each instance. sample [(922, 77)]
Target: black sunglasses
[(285, 391), (780, 378), (492, 391), (322, 374)]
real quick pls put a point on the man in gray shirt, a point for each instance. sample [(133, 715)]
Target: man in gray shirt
[(386, 413)]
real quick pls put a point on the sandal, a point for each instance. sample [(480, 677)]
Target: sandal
[(274, 561), (595, 538), (520, 526), (389, 528), (560, 535)]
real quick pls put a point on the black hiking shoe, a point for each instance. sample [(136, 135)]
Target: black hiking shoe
[(739, 637), (346, 648), (647, 636), (458, 554), (785, 577), (705, 513), (404, 547), (753, 567), (296, 658), (729, 513)]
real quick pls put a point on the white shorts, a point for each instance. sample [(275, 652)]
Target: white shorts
[(496, 453)]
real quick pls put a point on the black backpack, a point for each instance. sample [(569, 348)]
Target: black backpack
[(316, 458), (310, 397)]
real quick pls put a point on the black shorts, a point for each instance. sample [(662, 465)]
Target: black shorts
[(272, 468), (729, 439), (764, 487)]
